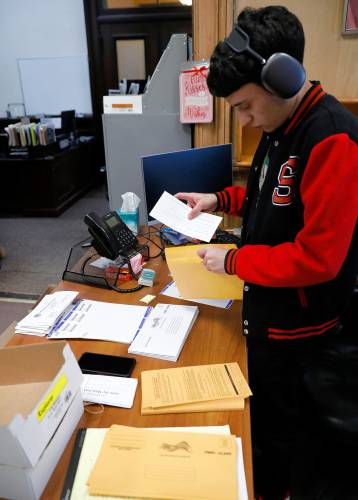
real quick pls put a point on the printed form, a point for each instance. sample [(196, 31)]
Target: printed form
[(92, 319), (174, 213), (165, 331), (193, 384), (108, 390), (41, 319)]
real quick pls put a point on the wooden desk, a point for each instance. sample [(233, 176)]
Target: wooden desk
[(215, 338), (48, 184)]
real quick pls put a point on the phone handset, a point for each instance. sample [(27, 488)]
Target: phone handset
[(111, 236)]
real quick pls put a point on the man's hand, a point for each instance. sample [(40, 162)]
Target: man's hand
[(213, 258), (199, 202)]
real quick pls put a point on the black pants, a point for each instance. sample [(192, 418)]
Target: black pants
[(279, 417)]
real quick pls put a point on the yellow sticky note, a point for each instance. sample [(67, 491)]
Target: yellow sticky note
[(147, 298), (194, 281), (49, 400)]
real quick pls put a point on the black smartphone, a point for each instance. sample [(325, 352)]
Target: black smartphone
[(104, 364)]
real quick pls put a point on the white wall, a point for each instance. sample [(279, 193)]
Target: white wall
[(36, 28)]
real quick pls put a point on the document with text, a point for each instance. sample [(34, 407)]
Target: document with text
[(162, 464), (194, 388), (91, 319), (164, 331), (91, 440), (41, 319), (174, 213), (108, 390)]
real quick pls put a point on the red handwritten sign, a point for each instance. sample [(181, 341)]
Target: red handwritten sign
[(196, 102)]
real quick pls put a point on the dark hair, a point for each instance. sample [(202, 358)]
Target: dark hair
[(270, 30)]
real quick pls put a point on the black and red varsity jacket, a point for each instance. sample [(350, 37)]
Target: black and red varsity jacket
[(299, 258)]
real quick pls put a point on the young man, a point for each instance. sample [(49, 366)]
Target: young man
[(299, 240)]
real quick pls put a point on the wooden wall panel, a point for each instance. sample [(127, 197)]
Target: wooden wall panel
[(330, 56), (212, 21)]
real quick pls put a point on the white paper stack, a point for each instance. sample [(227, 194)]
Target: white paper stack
[(42, 318), (164, 332), (92, 319)]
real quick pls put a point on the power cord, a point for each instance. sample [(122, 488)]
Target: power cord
[(161, 248)]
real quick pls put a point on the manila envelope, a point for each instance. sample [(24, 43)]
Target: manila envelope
[(217, 387), (144, 463), (194, 281)]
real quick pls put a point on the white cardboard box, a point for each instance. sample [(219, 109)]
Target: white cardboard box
[(28, 483), (37, 385)]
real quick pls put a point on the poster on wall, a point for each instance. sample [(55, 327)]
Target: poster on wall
[(196, 102), (350, 17)]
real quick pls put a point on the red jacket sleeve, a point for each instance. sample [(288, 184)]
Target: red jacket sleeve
[(329, 192), (231, 200)]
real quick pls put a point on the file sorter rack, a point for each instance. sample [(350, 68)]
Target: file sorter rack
[(128, 137), (79, 270)]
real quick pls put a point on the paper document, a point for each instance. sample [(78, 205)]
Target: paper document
[(107, 390), (194, 388), (194, 281), (171, 290), (160, 464), (102, 262), (164, 331), (91, 319), (46, 313), (174, 213), (91, 444)]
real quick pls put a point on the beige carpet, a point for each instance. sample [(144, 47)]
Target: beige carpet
[(10, 313)]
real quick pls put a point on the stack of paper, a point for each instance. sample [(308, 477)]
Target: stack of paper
[(164, 332), (143, 463), (91, 319), (189, 389), (58, 317), (42, 318)]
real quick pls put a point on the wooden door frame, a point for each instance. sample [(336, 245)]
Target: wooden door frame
[(95, 16), (212, 21), (129, 36)]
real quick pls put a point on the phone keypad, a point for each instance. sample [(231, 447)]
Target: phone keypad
[(126, 237)]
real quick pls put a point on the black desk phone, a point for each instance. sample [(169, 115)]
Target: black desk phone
[(111, 236)]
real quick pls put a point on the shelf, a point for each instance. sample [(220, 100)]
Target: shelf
[(246, 139), (351, 105), (245, 164)]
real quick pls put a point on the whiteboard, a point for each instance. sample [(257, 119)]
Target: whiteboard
[(54, 84)]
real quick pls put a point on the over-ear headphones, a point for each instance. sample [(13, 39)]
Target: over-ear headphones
[(281, 73)]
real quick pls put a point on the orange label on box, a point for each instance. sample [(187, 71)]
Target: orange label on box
[(128, 105)]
